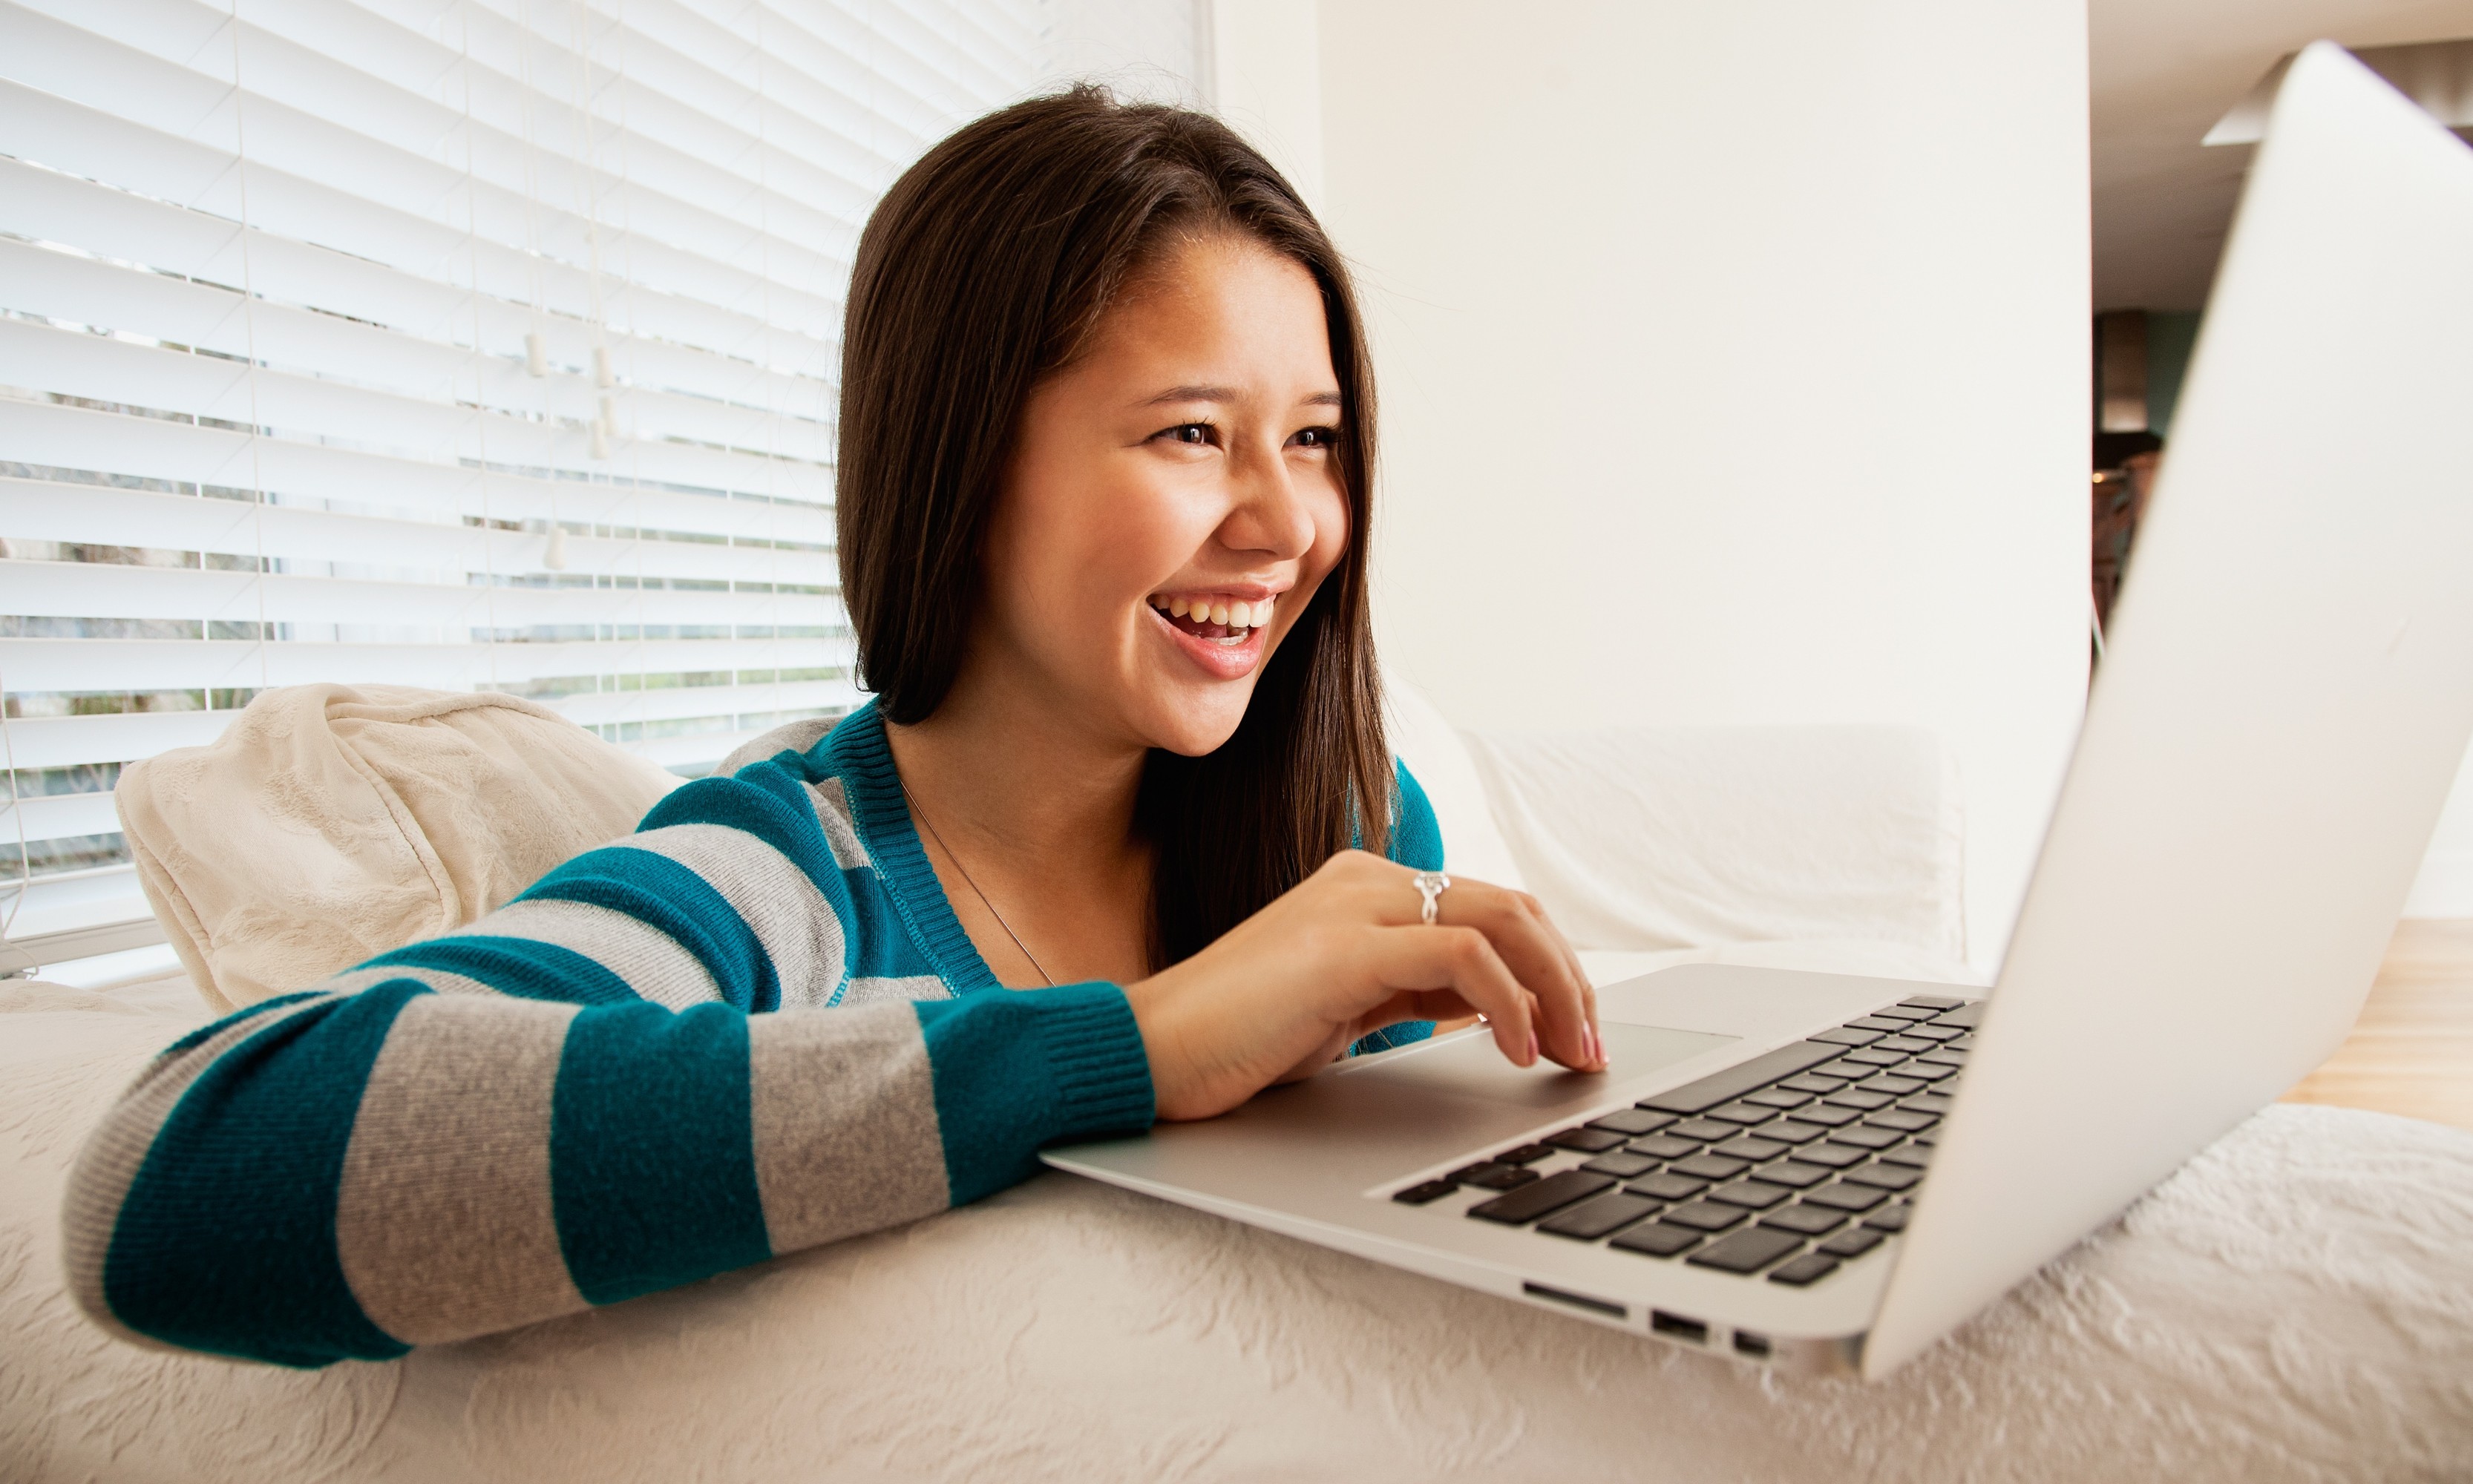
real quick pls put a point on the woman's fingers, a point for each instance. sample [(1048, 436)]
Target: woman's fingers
[(1463, 961), (1536, 955)]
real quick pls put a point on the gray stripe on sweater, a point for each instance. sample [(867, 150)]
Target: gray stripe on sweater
[(833, 816), (107, 1164), (655, 965), (801, 933), (443, 1220), (843, 1107), (907, 988)]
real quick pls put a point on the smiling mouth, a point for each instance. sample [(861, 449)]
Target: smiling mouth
[(1216, 618)]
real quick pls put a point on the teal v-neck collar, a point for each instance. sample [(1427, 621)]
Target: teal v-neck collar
[(856, 752)]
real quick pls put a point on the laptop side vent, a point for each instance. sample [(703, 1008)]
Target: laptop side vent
[(1576, 1299)]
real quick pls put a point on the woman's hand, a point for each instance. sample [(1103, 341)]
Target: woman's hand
[(1344, 953)]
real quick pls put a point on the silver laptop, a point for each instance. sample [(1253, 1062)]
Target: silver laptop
[(1826, 1173)]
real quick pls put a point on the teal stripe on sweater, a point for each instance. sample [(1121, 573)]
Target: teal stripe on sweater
[(226, 1242), (675, 901), (1068, 1062), (652, 1155), (525, 968)]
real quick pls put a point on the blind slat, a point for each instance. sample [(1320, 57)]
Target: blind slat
[(66, 589), (40, 511), (188, 453), (77, 364), (532, 669)]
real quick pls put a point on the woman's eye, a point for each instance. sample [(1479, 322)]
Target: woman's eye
[(1194, 434), (1316, 438)]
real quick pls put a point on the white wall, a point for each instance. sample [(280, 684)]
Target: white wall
[(2444, 888), (1734, 365)]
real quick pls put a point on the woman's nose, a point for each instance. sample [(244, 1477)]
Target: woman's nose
[(1270, 515)]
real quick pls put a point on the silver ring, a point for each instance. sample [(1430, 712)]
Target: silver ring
[(1431, 886)]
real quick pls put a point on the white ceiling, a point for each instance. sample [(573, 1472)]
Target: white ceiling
[(2162, 72)]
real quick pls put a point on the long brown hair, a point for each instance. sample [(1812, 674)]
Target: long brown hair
[(986, 268)]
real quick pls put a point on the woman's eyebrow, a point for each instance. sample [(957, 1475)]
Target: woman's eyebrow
[(1203, 393)]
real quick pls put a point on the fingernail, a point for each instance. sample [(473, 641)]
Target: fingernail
[(1532, 1046), (1597, 1047)]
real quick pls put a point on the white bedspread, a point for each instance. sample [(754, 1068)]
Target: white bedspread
[(2297, 1303)]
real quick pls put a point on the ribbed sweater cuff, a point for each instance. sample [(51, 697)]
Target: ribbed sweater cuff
[(1095, 1050)]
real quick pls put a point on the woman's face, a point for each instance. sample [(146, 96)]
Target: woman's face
[(1172, 503)]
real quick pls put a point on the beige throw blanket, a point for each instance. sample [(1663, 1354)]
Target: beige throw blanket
[(331, 822)]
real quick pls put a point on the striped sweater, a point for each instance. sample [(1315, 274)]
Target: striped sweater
[(752, 1026)]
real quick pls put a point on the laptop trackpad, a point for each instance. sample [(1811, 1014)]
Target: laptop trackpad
[(1469, 1067)]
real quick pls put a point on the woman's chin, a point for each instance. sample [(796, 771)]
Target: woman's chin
[(1196, 727)]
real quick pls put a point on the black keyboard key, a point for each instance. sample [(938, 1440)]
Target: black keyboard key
[(1851, 1070), (1810, 1083), (1845, 1197), (1750, 1194), (1965, 1017), (1701, 1129), (1656, 1239), (1906, 1043), (1746, 1251), (1905, 1013), (1664, 1146), (1622, 1166), (1929, 1102), (1962, 1043), (1592, 1219), (1857, 1097), (1749, 1147), (1904, 1119), (1943, 1055), (1913, 1156), (1805, 1220), (1743, 1113), (1863, 1136), (1927, 1140), (1793, 1172), (1468, 1173), (1895, 1087), (1853, 1242), (1835, 1156), (1791, 1131), (1828, 1116), (1586, 1141), (1843, 1037), (1894, 1219), (1779, 1097), (1939, 1033), (1877, 1023), (1874, 1056), (1927, 1071), (1428, 1190), (1709, 1166), (1887, 1177), (1810, 1268), (1705, 1216), (1551, 1194), (1744, 1077), (1931, 1002), (1665, 1188), (1632, 1122), (1502, 1177), (1525, 1153)]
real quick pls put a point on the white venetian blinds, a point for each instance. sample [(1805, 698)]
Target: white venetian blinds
[(462, 343)]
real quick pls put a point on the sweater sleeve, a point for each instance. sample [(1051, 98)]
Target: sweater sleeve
[(1417, 842), (589, 1095)]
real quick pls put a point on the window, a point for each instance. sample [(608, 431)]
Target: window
[(455, 343)]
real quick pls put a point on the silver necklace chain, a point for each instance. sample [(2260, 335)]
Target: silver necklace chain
[(972, 885)]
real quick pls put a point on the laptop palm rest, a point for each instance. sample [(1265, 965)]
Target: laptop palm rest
[(1365, 1123)]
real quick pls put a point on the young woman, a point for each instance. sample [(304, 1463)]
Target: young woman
[(1118, 840)]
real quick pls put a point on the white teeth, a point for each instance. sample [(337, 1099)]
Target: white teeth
[(1231, 613)]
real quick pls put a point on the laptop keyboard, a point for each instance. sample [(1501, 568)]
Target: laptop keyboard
[(1787, 1164)]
